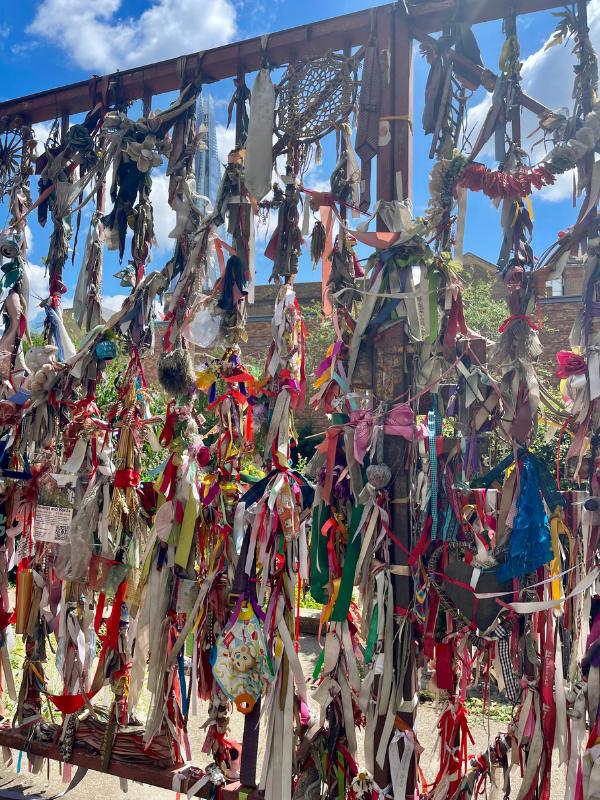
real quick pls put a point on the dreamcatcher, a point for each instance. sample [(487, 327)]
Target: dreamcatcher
[(14, 144), (313, 97)]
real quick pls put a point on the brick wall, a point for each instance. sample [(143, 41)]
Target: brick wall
[(258, 328), (558, 315)]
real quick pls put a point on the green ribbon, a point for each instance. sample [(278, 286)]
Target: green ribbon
[(340, 778), (12, 274), (344, 598), (372, 635), (433, 307), (319, 665), (186, 534), (319, 564)]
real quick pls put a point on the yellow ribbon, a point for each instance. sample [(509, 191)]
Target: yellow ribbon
[(557, 528), (186, 534), (398, 118), (326, 613), (509, 54), (529, 206)]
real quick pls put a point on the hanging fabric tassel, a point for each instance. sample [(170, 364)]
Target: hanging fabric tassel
[(317, 241)]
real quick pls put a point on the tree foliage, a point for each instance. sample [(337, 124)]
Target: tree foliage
[(483, 312)]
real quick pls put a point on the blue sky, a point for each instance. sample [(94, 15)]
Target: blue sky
[(53, 42)]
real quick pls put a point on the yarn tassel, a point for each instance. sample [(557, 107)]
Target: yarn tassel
[(317, 242)]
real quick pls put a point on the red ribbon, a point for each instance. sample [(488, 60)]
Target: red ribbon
[(169, 426), (514, 318), (168, 483), (456, 324), (125, 478), (500, 184), (70, 703)]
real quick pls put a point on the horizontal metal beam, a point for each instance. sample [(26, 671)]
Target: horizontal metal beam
[(433, 15), (223, 62), (162, 778), (216, 64)]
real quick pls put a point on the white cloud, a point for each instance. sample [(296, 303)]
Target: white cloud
[(317, 184), (97, 37), (559, 191), (112, 303), (164, 216), (38, 290), (29, 237), (225, 141), (41, 132)]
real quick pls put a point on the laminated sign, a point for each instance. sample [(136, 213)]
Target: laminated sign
[(54, 511)]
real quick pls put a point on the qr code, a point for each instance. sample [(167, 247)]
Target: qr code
[(61, 533)]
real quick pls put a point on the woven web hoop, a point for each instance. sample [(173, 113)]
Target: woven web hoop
[(13, 143), (314, 96)]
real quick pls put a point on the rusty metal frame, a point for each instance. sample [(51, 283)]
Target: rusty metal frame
[(396, 25)]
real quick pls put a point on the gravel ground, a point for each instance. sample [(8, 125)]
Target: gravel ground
[(98, 785)]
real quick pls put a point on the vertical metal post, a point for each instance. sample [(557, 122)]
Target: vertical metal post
[(252, 720), (240, 106), (391, 376), (514, 112), (146, 103), (586, 100), (64, 126)]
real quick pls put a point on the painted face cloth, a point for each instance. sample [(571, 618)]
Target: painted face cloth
[(242, 666)]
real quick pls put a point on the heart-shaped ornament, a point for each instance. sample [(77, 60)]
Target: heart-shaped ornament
[(451, 582)]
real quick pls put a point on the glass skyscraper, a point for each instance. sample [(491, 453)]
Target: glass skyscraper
[(208, 166), (208, 173)]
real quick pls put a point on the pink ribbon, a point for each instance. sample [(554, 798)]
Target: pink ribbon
[(400, 421), (362, 421), (570, 364)]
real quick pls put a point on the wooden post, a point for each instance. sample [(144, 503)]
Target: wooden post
[(391, 376)]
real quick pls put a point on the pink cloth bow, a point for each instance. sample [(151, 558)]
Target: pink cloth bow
[(399, 421)]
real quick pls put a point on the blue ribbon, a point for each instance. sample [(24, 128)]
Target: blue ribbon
[(53, 322), (181, 669)]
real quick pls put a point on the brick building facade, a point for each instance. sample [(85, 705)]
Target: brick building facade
[(558, 310), (258, 328)]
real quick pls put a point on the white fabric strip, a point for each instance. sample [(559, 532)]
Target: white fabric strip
[(545, 605), (399, 768)]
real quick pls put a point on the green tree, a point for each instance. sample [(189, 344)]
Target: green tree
[(483, 312), (319, 335)]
